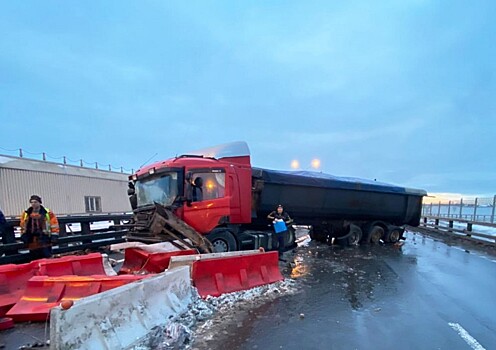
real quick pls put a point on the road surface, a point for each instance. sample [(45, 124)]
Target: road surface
[(424, 295)]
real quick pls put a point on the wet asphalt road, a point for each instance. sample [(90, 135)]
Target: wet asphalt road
[(376, 297), (367, 297)]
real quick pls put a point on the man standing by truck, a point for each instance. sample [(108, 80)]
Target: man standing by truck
[(39, 228), (280, 219)]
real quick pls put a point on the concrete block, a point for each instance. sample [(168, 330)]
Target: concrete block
[(121, 317)]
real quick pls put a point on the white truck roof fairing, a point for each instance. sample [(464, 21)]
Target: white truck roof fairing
[(226, 150)]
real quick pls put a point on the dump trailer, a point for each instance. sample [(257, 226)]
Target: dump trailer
[(213, 200)]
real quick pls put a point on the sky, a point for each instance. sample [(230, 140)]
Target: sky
[(398, 91)]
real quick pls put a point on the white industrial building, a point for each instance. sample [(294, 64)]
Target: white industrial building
[(65, 189)]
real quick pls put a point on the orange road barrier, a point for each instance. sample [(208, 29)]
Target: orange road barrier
[(79, 265), (6, 323), (13, 280), (231, 274), (43, 293), (137, 260)]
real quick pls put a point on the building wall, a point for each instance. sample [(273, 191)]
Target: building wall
[(62, 187)]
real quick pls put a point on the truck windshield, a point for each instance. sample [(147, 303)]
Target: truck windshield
[(161, 189)]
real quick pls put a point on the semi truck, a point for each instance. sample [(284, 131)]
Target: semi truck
[(215, 201)]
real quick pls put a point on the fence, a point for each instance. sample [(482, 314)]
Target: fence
[(88, 235), (480, 209), (476, 231)]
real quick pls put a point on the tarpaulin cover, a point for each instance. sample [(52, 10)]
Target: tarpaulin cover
[(315, 179)]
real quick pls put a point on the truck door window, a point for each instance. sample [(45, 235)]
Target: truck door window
[(208, 185)]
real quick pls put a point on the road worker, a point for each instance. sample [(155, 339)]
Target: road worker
[(39, 229), (281, 220)]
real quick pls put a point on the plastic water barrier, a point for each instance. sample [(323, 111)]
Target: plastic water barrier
[(43, 293), (137, 260), (234, 273)]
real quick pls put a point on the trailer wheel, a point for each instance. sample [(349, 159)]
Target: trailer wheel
[(375, 234), (393, 235), (222, 241), (354, 236)]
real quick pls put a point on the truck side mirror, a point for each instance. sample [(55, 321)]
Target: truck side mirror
[(133, 199)]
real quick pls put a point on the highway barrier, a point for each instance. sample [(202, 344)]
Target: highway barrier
[(13, 281), (80, 265), (14, 278), (229, 274), (137, 260), (43, 293), (121, 317)]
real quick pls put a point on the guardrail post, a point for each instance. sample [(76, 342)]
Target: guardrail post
[(425, 220), (436, 224), (85, 228), (492, 212), (475, 210), (450, 225), (469, 228), (461, 208)]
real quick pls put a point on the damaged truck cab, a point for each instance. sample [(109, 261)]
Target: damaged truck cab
[(215, 193)]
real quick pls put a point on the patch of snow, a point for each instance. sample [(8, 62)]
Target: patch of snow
[(180, 333)]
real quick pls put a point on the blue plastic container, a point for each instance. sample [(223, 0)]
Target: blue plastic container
[(280, 226)]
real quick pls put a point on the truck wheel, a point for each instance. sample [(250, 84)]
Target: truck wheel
[(375, 234), (354, 236), (393, 235), (222, 241)]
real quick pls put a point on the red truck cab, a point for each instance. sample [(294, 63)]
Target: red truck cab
[(206, 188)]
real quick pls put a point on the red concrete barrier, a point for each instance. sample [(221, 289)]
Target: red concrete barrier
[(231, 274), (137, 260), (79, 265), (42, 293), (13, 280)]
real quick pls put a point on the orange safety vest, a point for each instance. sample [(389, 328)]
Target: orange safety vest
[(51, 223)]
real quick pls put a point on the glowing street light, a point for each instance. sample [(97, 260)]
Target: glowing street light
[(295, 164), (315, 163)]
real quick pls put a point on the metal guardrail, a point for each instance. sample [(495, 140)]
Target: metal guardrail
[(475, 209), (465, 228), (14, 251)]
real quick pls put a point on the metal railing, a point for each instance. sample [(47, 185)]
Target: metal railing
[(474, 230), (12, 250), (481, 209)]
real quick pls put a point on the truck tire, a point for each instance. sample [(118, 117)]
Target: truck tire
[(222, 241), (374, 234), (393, 235), (353, 236)]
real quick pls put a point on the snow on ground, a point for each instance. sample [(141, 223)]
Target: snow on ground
[(203, 315)]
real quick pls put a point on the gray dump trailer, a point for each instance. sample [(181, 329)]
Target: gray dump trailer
[(350, 210)]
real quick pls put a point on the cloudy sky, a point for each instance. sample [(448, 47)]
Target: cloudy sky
[(398, 91)]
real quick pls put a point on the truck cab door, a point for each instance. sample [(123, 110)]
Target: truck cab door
[(207, 200)]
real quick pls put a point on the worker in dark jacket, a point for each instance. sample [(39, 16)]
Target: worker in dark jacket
[(280, 219), (39, 229)]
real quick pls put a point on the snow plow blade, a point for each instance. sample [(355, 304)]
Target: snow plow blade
[(162, 225), (227, 274)]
